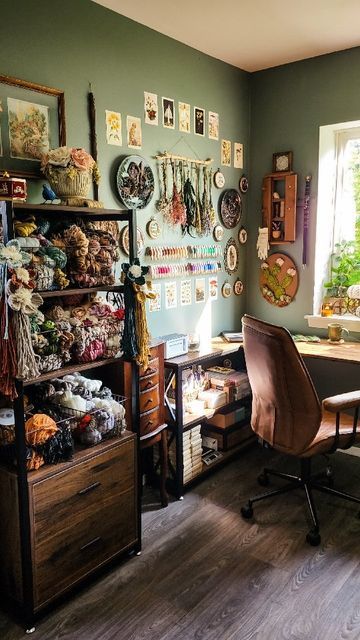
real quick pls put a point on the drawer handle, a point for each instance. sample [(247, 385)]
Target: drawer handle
[(89, 544), (149, 371), (149, 423), (147, 385), (148, 401), (91, 487)]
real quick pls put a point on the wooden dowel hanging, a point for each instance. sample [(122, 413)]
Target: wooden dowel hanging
[(172, 156)]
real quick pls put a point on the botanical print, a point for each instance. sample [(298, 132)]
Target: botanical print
[(199, 121), (168, 113), (184, 117), (200, 290), (226, 153), (113, 128), (213, 288), (151, 108), (28, 129), (185, 292), (213, 126), (155, 303), (134, 138), (170, 295), (238, 155)]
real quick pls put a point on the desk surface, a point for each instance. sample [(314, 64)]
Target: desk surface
[(346, 352)]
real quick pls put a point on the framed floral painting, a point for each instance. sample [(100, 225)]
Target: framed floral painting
[(32, 121)]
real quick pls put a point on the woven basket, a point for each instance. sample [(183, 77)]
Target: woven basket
[(65, 186)]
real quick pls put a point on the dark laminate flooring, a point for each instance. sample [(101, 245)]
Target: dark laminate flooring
[(206, 574)]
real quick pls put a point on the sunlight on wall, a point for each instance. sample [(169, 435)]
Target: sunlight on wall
[(204, 325)]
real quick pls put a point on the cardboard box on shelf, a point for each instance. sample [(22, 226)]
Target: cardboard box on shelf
[(228, 438), (226, 419)]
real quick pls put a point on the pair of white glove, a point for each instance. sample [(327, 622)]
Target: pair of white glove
[(262, 244)]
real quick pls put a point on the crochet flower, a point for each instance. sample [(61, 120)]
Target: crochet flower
[(279, 262), (12, 256), (25, 300), (81, 159), (22, 275), (134, 272)]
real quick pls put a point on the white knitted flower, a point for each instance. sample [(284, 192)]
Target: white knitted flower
[(135, 270), (279, 262)]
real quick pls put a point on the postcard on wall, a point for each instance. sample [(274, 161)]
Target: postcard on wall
[(213, 126), (113, 128), (151, 108), (199, 121), (134, 137), (184, 117), (170, 295), (168, 113), (213, 288), (200, 290), (155, 303), (238, 155), (226, 153), (185, 292), (29, 133)]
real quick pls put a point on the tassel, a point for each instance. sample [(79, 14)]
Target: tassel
[(129, 343), (26, 362), (7, 356), (142, 332)]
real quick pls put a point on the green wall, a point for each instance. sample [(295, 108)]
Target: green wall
[(288, 105), (67, 44)]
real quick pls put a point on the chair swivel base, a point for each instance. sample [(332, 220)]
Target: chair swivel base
[(304, 481)]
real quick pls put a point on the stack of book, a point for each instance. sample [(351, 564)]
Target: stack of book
[(192, 452), (234, 383)]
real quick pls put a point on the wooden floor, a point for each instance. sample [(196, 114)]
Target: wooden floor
[(206, 574)]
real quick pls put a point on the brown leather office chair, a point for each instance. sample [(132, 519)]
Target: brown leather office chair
[(288, 416)]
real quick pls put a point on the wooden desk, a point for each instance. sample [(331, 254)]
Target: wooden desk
[(346, 352)]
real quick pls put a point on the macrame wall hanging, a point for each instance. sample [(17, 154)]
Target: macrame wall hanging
[(135, 340)]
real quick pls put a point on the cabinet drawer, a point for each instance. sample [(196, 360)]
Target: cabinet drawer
[(146, 382), (149, 421), (149, 399), (151, 369), (72, 495), (61, 561)]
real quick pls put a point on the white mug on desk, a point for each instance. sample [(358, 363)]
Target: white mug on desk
[(335, 331)]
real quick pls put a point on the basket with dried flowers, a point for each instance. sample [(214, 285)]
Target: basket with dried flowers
[(70, 171)]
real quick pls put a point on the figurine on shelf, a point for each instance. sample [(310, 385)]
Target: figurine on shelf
[(48, 194)]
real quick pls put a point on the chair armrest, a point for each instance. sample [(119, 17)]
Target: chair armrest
[(341, 402)]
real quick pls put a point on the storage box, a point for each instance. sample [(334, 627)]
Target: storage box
[(227, 419), (12, 188), (228, 438)]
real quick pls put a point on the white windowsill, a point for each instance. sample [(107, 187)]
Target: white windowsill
[(350, 322)]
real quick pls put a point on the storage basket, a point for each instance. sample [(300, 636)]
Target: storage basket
[(77, 184)]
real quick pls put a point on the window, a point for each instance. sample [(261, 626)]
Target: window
[(338, 214)]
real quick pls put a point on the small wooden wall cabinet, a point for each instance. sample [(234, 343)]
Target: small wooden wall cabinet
[(279, 212), (82, 514)]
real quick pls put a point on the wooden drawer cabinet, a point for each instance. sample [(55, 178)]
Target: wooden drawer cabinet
[(82, 514), (149, 399)]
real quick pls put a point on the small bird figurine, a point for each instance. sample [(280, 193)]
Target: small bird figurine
[(48, 194)]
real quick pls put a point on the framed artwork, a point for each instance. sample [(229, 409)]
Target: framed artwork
[(226, 153), (184, 117), (219, 179), (113, 128), (199, 121), (32, 121), (170, 295), (200, 290), (213, 288), (213, 126), (231, 257), (230, 208), (279, 279), (238, 287), (155, 302), (185, 292), (168, 113), (153, 229), (134, 135), (124, 240), (242, 235), (226, 290), (243, 184), (238, 155), (151, 108), (218, 232), (282, 161)]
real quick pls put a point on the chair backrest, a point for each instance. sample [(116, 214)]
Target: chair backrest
[(286, 411)]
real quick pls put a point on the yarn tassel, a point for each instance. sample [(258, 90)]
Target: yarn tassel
[(7, 355), (142, 332), (26, 362), (129, 342)]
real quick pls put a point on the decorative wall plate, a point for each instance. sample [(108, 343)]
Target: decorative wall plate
[(231, 257), (124, 240), (153, 229), (218, 232), (219, 179), (238, 287), (243, 184), (135, 182), (230, 208), (226, 290), (278, 279), (242, 235)]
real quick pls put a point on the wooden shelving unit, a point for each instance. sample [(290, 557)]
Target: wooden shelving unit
[(65, 521), (279, 214)]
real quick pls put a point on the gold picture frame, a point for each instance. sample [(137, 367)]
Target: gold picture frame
[(23, 102)]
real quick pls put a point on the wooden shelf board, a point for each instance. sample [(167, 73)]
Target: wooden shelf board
[(59, 373), (78, 291), (281, 241), (80, 455), (86, 212)]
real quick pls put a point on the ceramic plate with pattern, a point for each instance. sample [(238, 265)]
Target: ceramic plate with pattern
[(135, 182), (230, 208)]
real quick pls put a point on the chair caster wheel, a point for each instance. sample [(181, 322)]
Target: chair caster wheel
[(247, 512), (313, 538), (30, 630), (263, 480)]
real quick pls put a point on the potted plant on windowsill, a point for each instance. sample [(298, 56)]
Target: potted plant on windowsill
[(344, 270)]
